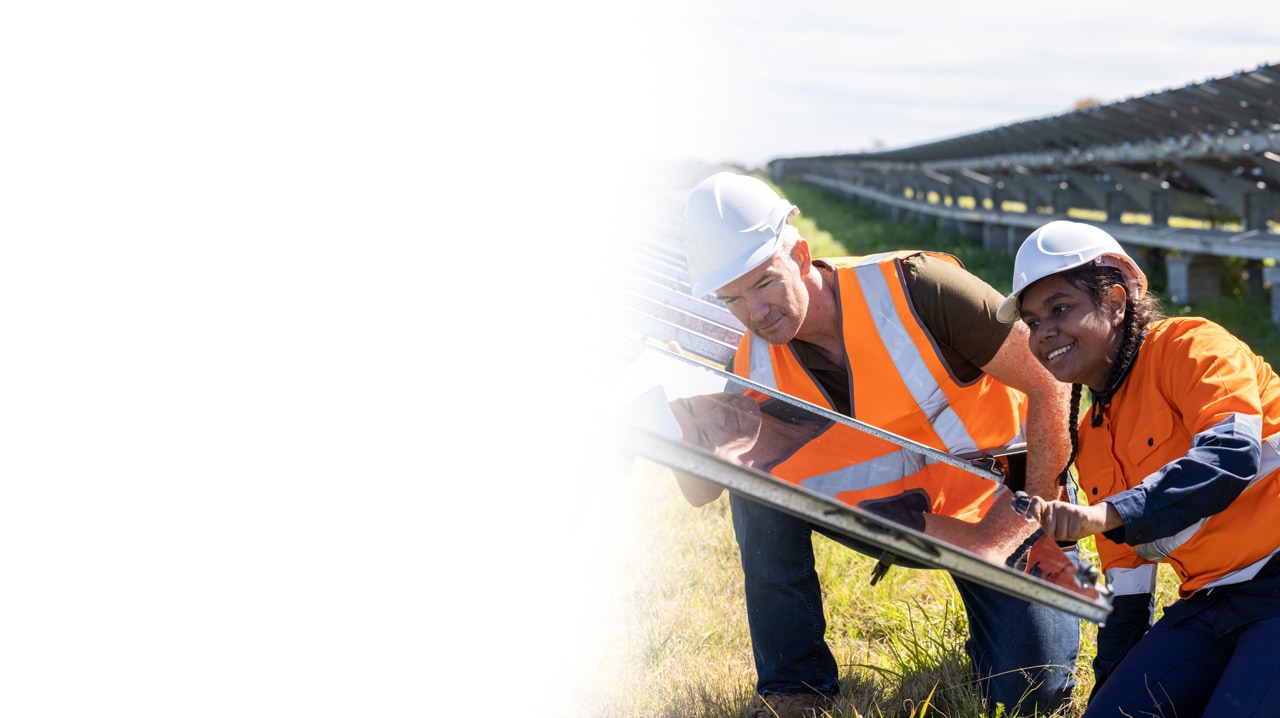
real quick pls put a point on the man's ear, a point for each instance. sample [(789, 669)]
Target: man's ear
[(800, 253)]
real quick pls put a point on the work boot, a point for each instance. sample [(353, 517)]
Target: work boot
[(791, 705)]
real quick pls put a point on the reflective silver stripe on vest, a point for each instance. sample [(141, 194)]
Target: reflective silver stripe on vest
[(868, 474), (876, 258), (760, 368), (1241, 575), (911, 364), (1128, 581), (1160, 549)]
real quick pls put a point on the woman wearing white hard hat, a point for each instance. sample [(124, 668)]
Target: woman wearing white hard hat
[(1180, 461)]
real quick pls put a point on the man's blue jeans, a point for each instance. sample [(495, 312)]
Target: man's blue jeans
[(1022, 653)]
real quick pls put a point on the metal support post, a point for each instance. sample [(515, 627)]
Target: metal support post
[(1161, 207), (992, 238), (1178, 267), (1275, 304), (1257, 208), (1013, 238), (1116, 203), (1253, 285)]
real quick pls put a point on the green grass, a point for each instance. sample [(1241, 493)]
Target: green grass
[(687, 652), (898, 643)]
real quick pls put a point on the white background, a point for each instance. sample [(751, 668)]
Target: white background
[(295, 297)]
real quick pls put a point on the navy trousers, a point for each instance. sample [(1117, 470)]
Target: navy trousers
[(1190, 668)]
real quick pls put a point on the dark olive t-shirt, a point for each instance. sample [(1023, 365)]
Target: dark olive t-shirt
[(957, 309)]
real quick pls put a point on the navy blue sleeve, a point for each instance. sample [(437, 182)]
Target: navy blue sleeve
[(1222, 462)]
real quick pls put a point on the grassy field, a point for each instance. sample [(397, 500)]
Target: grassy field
[(686, 651)]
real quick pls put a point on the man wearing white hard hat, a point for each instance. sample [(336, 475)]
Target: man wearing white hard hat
[(907, 341)]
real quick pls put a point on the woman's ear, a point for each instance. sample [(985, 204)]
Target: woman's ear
[(1117, 298)]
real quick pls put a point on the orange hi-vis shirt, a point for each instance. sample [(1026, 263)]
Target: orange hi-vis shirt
[(903, 387), (1188, 452)]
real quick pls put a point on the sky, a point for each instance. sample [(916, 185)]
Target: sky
[(765, 80), (297, 302)]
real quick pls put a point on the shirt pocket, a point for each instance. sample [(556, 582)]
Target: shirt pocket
[(1096, 465), (1153, 430)]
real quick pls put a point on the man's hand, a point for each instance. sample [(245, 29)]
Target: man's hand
[(1065, 521), (697, 491)]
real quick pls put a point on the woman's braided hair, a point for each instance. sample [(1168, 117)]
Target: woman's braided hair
[(1097, 280)]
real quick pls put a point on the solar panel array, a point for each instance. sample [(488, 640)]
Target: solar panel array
[(1193, 169)]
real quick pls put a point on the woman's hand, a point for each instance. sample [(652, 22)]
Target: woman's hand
[(1065, 521)]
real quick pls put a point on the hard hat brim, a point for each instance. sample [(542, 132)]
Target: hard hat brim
[(1007, 312), (734, 269)]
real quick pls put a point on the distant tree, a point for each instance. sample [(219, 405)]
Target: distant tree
[(1085, 102), (875, 145)]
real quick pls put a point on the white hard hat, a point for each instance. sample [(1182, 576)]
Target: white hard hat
[(731, 226), (1059, 246)]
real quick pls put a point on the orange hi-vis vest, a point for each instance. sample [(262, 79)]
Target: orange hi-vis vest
[(901, 385), (1191, 379)]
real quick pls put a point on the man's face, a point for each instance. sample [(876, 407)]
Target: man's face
[(726, 423), (771, 300)]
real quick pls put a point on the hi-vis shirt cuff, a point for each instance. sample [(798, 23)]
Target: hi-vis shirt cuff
[(1132, 581), (1130, 504)]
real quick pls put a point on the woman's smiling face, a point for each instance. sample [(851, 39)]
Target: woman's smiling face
[(1073, 336)]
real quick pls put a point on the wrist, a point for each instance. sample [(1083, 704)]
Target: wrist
[(1111, 518)]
